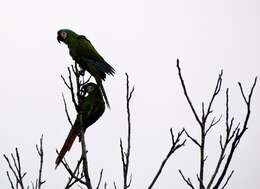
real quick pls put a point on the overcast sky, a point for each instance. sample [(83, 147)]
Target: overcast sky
[(143, 38)]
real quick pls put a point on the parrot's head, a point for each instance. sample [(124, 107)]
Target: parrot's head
[(90, 88), (64, 34)]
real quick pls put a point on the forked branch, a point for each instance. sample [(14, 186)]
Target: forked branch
[(18, 174), (230, 140), (176, 144), (125, 156)]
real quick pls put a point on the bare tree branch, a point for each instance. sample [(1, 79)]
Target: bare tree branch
[(125, 156), (65, 82), (77, 75), (100, 178), (176, 144), (213, 123), (71, 87), (227, 140), (237, 133), (215, 93), (114, 185), (19, 175), (228, 179), (40, 153), (73, 174), (232, 137), (77, 100), (84, 155), (66, 110), (12, 169), (187, 180), (10, 180), (192, 139), (200, 181), (201, 122), (186, 94), (16, 169)]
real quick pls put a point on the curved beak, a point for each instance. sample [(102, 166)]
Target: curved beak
[(59, 38)]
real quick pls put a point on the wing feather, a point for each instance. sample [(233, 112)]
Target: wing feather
[(87, 56)]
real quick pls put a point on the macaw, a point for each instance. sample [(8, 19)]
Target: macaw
[(83, 52), (91, 108)]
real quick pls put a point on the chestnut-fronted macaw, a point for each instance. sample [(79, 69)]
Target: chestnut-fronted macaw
[(84, 53)]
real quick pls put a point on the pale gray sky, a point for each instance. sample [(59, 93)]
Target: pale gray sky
[(143, 38)]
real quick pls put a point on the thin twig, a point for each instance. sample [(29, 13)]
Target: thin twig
[(77, 75), (72, 90), (228, 179), (10, 180), (40, 153), (202, 122), (66, 110), (186, 94), (16, 169), (65, 82), (72, 173), (237, 133), (125, 156), (215, 93), (192, 139), (84, 158), (11, 168), (176, 144), (213, 123), (222, 146), (19, 169), (100, 178), (114, 185), (187, 180)]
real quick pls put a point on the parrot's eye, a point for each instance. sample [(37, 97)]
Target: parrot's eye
[(63, 35), (90, 89)]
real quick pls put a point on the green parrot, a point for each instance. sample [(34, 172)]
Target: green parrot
[(83, 52), (91, 109)]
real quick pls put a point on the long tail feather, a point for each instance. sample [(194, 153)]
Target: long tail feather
[(67, 145), (99, 82)]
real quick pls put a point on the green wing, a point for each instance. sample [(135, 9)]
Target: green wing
[(87, 50), (83, 52)]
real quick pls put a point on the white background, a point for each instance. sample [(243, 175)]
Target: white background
[(143, 38)]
